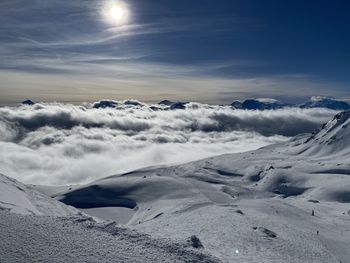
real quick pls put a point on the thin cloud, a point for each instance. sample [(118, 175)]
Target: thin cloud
[(49, 50)]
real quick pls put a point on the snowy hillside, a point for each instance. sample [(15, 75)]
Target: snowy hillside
[(333, 138), (36, 228), (269, 205), (18, 198), (287, 202)]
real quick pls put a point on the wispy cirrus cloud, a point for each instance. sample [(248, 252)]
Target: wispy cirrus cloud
[(52, 50)]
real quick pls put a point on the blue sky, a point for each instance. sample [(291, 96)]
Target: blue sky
[(202, 50)]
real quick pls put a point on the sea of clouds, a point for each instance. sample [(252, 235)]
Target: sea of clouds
[(56, 144)]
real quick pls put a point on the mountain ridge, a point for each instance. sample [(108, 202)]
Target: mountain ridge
[(248, 104)]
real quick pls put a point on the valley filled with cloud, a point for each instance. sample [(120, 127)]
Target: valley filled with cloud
[(54, 143)]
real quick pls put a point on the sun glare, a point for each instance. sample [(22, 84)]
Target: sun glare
[(116, 12)]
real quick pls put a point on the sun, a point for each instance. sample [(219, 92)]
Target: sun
[(116, 12)]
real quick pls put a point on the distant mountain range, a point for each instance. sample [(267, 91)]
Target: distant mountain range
[(249, 104), (325, 102), (272, 104), (259, 104)]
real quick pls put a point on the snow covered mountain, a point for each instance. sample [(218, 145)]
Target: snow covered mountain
[(282, 203), (333, 138), (259, 104), (116, 104), (249, 104), (325, 102), (272, 104)]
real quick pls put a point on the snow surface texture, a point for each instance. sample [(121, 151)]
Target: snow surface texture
[(36, 228), (52, 239), (283, 203), (18, 198), (59, 144)]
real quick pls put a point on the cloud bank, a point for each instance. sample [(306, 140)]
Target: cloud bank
[(66, 144)]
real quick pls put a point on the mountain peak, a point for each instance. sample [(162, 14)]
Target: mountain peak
[(259, 104), (28, 102), (332, 138), (326, 102)]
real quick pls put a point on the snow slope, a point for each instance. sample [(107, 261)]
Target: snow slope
[(19, 198), (70, 239), (282, 203), (37, 228), (332, 139)]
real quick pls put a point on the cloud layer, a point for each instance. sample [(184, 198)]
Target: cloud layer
[(62, 144)]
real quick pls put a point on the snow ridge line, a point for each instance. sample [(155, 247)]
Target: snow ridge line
[(180, 248)]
